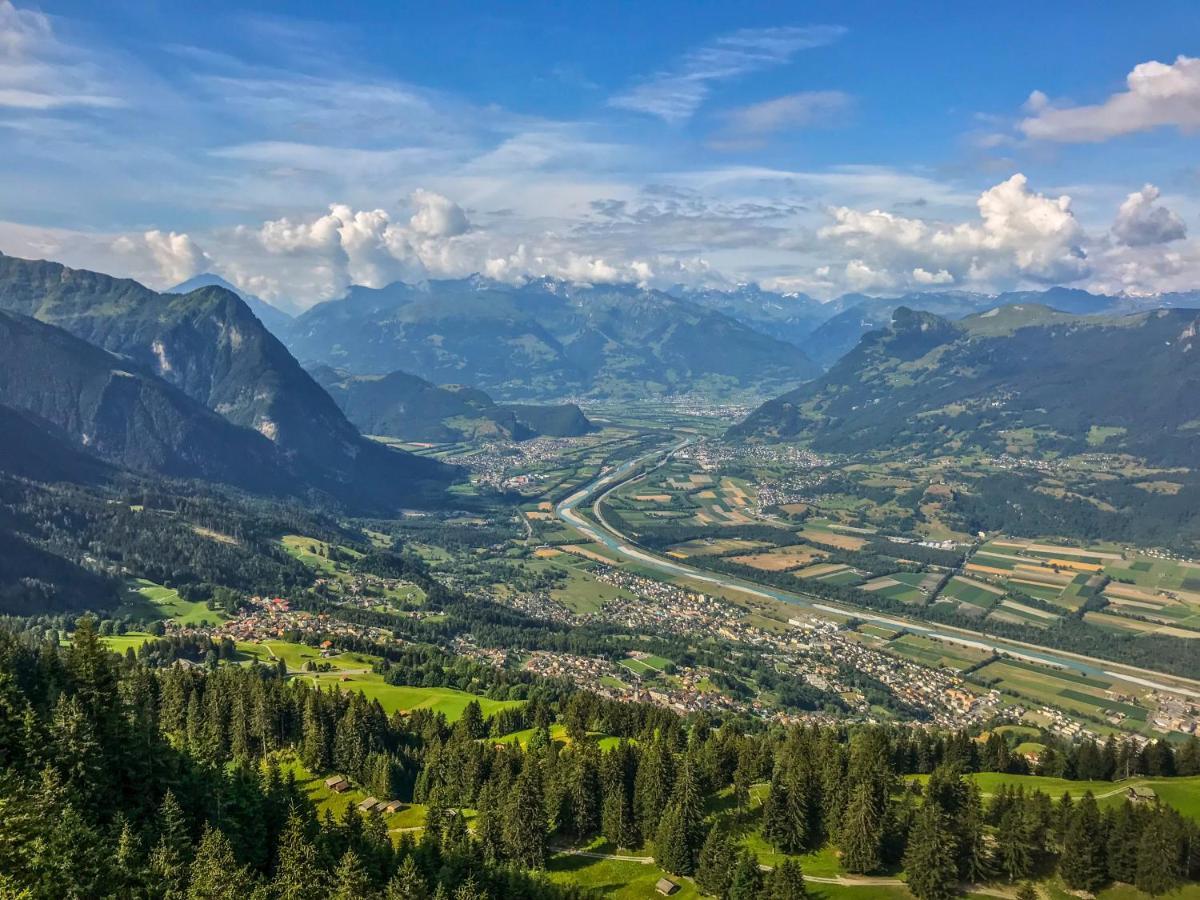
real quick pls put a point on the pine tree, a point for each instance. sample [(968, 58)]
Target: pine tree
[(786, 882), (1083, 865), (746, 882), (525, 818), (408, 883), (861, 837), (715, 869), (618, 819), (350, 881), (680, 832), (1160, 854), (930, 860), (1014, 849), (975, 855), (171, 856), (298, 875), (215, 873)]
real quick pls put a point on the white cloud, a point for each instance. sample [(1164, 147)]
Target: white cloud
[(1140, 221), (176, 255), (925, 277), (437, 216), (1019, 235), (802, 110), (674, 94), (40, 73), (1158, 95)]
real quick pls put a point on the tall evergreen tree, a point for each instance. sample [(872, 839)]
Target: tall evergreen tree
[(930, 858), (714, 872), (786, 882), (746, 882), (1160, 867), (525, 818), (1083, 865), (861, 836)]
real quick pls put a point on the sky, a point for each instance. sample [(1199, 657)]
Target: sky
[(296, 149)]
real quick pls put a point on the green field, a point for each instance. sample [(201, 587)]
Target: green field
[(613, 878), (447, 701), (148, 601), (936, 653), (1181, 793), (303, 548), (119, 643)]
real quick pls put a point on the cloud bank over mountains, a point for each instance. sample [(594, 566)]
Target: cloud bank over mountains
[(294, 180)]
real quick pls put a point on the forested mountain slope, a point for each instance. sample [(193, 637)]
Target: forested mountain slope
[(212, 348), (1125, 383), (410, 408)]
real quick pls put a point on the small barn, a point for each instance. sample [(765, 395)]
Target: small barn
[(337, 784), (666, 887)]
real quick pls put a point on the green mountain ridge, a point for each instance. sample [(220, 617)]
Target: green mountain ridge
[(409, 408), (209, 345), (924, 382), (104, 405)]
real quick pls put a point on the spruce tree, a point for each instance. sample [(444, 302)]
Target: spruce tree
[(746, 882), (1083, 866), (930, 859), (1160, 854), (215, 873), (861, 835), (298, 876), (1124, 838), (786, 882), (714, 871), (525, 818), (171, 856), (1014, 849), (350, 880), (408, 883)]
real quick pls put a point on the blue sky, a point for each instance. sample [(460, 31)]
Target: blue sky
[(819, 147)]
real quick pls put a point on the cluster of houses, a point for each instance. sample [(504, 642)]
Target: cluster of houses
[(339, 785)]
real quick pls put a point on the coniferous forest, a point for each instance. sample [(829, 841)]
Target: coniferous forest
[(121, 779)]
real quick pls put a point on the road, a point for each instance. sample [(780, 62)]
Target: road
[(619, 544)]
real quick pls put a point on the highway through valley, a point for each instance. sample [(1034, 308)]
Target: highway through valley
[(622, 546)]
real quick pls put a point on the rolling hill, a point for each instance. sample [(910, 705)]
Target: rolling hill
[(1120, 383), (211, 347), (409, 408), (546, 339)]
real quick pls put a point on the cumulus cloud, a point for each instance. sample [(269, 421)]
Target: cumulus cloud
[(674, 94), (40, 73), (1158, 95), (437, 216), (1141, 221), (1020, 234), (161, 258)]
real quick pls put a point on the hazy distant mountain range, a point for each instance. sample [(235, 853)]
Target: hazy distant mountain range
[(546, 339), (1116, 383), (549, 338)]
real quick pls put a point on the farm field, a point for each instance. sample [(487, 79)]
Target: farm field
[(781, 559), (907, 587), (938, 654), (147, 600), (1066, 690), (714, 546), (645, 665)]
